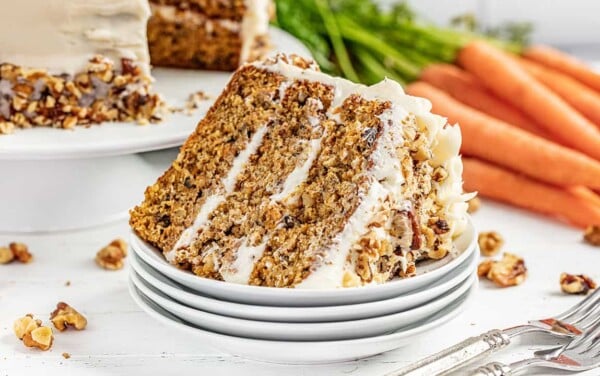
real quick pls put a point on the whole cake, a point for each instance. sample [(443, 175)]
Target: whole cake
[(69, 62), (298, 179), (208, 34)]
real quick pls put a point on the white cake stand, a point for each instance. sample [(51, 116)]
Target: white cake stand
[(54, 180)]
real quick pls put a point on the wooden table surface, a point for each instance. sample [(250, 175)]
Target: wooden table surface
[(122, 340)]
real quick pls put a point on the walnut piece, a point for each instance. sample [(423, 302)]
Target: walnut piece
[(509, 271), (490, 243), (64, 316), (41, 338), (592, 235), (6, 255), (21, 252), (25, 325), (66, 355), (576, 284), (474, 205), (111, 257)]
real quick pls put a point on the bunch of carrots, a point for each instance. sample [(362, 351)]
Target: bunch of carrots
[(530, 126)]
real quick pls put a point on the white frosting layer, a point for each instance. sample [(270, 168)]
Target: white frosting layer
[(254, 24), (240, 270), (62, 35), (213, 201)]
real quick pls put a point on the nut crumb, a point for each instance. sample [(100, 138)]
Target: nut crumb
[(66, 355), (474, 205), (490, 243), (68, 283), (64, 316), (576, 284), (509, 271), (111, 257), (592, 235)]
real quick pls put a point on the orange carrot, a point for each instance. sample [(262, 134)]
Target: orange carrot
[(586, 194), (565, 63), (465, 87), (496, 141), (579, 96), (507, 79), (507, 186)]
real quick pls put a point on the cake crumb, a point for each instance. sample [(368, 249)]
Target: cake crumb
[(576, 284), (64, 316), (474, 205), (111, 257), (509, 271), (592, 235), (66, 355), (490, 243)]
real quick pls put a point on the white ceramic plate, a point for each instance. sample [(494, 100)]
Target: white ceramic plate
[(428, 273), (301, 314), (125, 138), (280, 331), (305, 352)]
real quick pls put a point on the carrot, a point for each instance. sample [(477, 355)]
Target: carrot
[(496, 141), (507, 186), (564, 63), (507, 79), (579, 96), (465, 87), (586, 194)]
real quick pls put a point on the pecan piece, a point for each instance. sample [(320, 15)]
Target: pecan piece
[(576, 284)]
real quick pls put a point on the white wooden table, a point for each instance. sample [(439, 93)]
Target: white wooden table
[(123, 340)]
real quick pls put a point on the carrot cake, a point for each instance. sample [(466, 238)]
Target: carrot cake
[(208, 34), (298, 179), (75, 62)]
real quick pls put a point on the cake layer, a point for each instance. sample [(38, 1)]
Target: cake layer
[(186, 36), (220, 9), (61, 36), (335, 185), (101, 92)]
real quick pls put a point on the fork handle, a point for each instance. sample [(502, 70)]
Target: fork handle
[(456, 356), (493, 369)]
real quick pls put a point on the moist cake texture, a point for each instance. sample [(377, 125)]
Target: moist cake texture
[(297, 179), (75, 62), (208, 34)]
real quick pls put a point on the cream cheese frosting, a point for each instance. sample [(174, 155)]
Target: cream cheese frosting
[(61, 36)]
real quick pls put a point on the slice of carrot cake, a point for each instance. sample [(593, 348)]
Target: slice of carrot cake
[(298, 179), (74, 62), (208, 34)]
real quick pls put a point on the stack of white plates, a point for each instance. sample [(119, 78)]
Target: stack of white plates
[(305, 326)]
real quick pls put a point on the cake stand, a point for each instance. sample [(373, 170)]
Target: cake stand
[(55, 180)]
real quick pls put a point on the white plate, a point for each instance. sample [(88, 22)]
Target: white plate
[(280, 331), (305, 352), (301, 314), (125, 138), (428, 273)]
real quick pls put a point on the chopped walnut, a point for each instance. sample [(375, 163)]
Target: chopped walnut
[(66, 355), (25, 325), (111, 257), (576, 284), (41, 338), (592, 235), (490, 243), (21, 252), (510, 271), (474, 205), (64, 316), (6, 255)]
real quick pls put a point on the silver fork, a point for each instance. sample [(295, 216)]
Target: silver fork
[(581, 354), (566, 325)]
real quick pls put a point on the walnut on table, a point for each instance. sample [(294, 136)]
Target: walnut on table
[(592, 235), (490, 243), (576, 284), (509, 271), (65, 316), (112, 256), (32, 333), (15, 251)]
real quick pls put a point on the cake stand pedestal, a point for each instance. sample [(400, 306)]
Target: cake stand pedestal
[(55, 180)]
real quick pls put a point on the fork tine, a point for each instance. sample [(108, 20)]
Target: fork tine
[(589, 301), (590, 336), (583, 315), (590, 320)]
